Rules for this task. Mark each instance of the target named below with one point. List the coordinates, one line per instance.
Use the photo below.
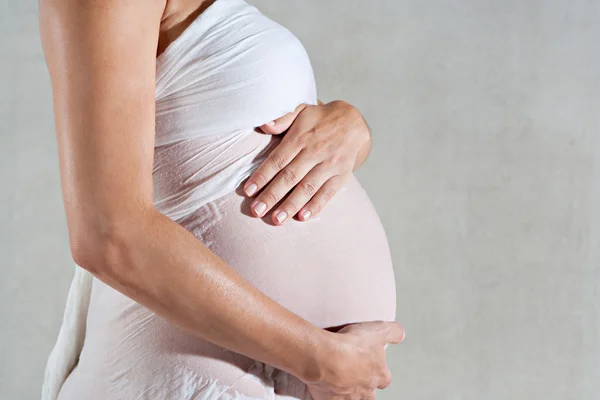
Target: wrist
(314, 360)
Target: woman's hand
(322, 146)
(356, 363)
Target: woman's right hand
(354, 365)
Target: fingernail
(281, 216)
(251, 189)
(305, 215)
(271, 123)
(259, 208)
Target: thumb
(394, 333)
(282, 124)
(387, 332)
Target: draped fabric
(231, 70)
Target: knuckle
(308, 188)
(278, 161)
(386, 379)
(327, 194)
(312, 131)
(371, 387)
(388, 376)
(289, 176)
(321, 149)
(338, 161)
(331, 164)
(290, 206)
(259, 178)
(270, 197)
(301, 107)
(315, 209)
(298, 139)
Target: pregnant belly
(332, 270)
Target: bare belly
(332, 270)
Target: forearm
(161, 265)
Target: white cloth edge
(65, 353)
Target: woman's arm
(101, 59)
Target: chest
(232, 68)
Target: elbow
(98, 255)
(102, 252)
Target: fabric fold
(65, 353)
(231, 70)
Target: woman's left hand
(322, 146)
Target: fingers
(312, 189)
(301, 194)
(372, 396)
(324, 194)
(278, 188)
(276, 161)
(388, 332)
(282, 124)
(386, 379)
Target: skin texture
(101, 58)
(322, 145)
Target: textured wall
(485, 171)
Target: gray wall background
(485, 171)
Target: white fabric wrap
(231, 70)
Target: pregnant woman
(214, 261)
